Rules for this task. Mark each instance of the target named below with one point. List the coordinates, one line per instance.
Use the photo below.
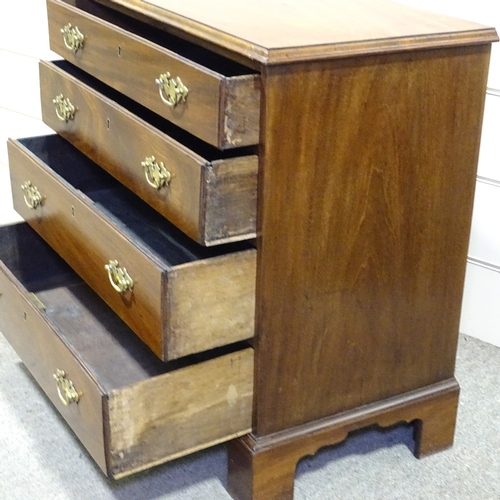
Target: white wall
(481, 304)
(24, 40)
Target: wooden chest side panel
(366, 200)
(180, 412)
(210, 303)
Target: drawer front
(223, 111)
(211, 202)
(33, 337)
(88, 241)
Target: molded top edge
(280, 31)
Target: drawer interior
(106, 346)
(201, 148)
(182, 47)
(22, 252)
(131, 215)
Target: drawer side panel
(200, 406)
(230, 200)
(241, 112)
(222, 310)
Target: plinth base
(263, 468)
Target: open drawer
(177, 296)
(209, 194)
(210, 96)
(130, 410)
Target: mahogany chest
(250, 226)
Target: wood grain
(88, 240)
(230, 199)
(367, 115)
(113, 55)
(222, 310)
(187, 410)
(209, 207)
(240, 97)
(366, 193)
(272, 32)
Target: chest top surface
(277, 31)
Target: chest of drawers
(265, 210)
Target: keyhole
(72, 210)
(119, 51)
(107, 123)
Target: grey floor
(41, 459)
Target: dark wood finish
(264, 467)
(205, 399)
(369, 135)
(186, 298)
(376, 165)
(113, 55)
(211, 197)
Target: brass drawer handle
(156, 174)
(72, 37)
(65, 388)
(172, 90)
(65, 111)
(32, 196)
(118, 277)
